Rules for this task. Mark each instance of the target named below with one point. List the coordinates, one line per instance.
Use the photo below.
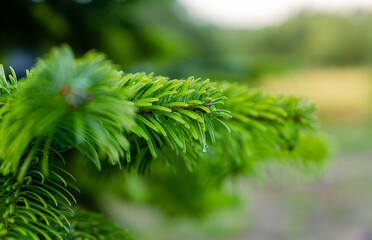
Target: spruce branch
(265, 127)
(97, 227)
(85, 104)
(7, 86)
(130, 119)
(171, 114)
(66, 103)
(37, 207)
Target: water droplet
(205, 148)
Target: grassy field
(343, 95)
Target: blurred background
(318, 49)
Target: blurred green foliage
(158, 36)
(309, 39)
(137, 34)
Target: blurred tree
(138, 34)
(308, 39)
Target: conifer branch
(265, 127)
(129, 119)
(37, 207)
(87, 105)
(98, 227)
(171, 113)
(65, 103)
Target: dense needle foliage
(212, 130)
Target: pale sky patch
(260, 13)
